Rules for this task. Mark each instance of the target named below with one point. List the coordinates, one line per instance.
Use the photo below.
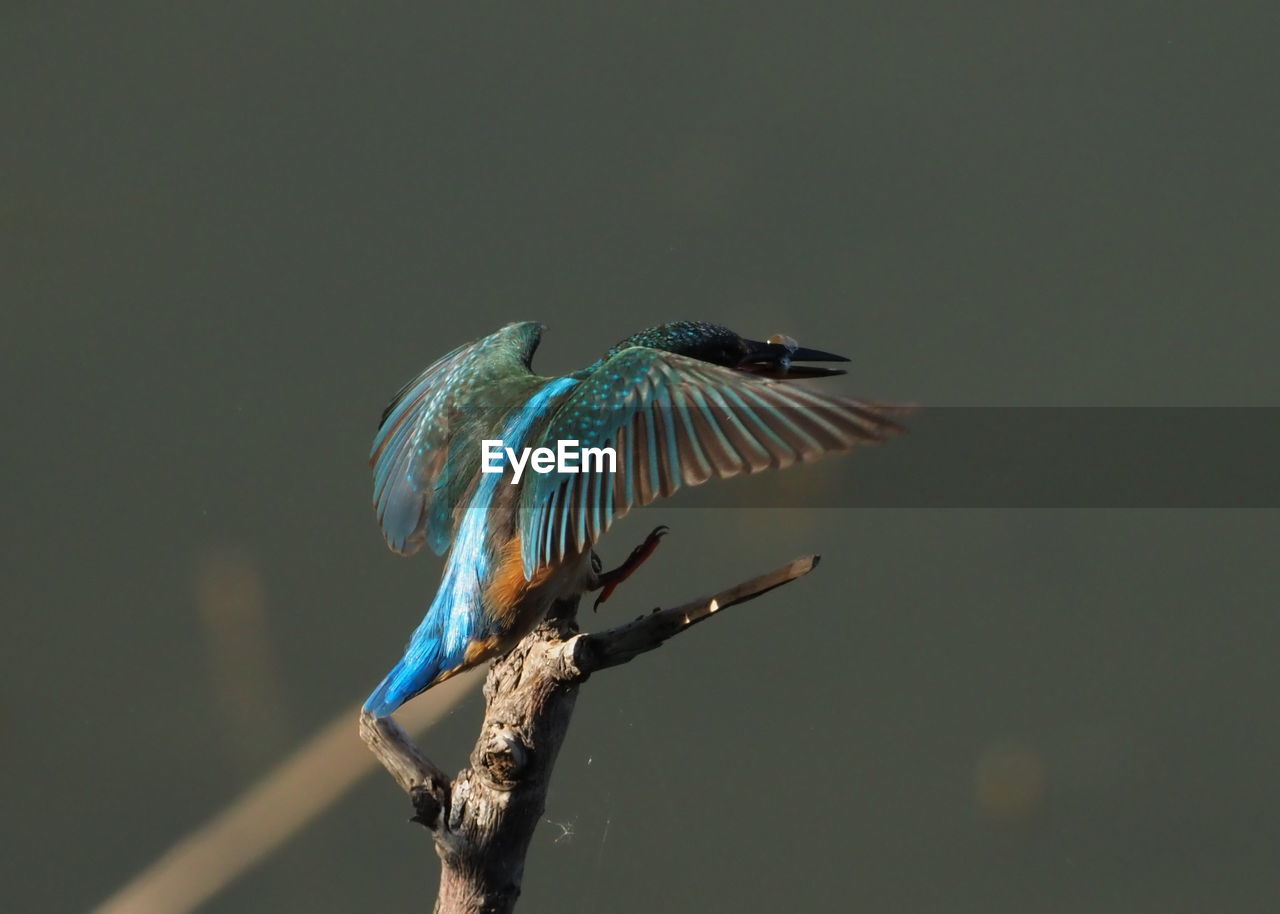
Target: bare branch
(587, 653)
(485, 818)
(414, 772)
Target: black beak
(777, 360)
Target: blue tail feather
(439, 645)
(406, 679)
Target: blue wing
(677, 421)
(423, 457)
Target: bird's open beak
(776, 358)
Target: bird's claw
(609, 580)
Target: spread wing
(423, 456)
(676, 421)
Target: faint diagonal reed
(270, 812)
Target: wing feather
(676, 421)
(422, 456)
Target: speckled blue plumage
(457, 616)
(666, 399)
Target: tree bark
(483, 820)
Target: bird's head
(772, 358)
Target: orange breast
(507, 587)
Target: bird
(679, 404)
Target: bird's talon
(609, 580)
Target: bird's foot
(608, 581)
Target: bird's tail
(440, 645)
(415, 673)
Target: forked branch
(483, 820)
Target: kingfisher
(678, 404)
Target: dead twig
(483, 820)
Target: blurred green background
(228, 232)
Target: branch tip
(623, 643)
(414, 772)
